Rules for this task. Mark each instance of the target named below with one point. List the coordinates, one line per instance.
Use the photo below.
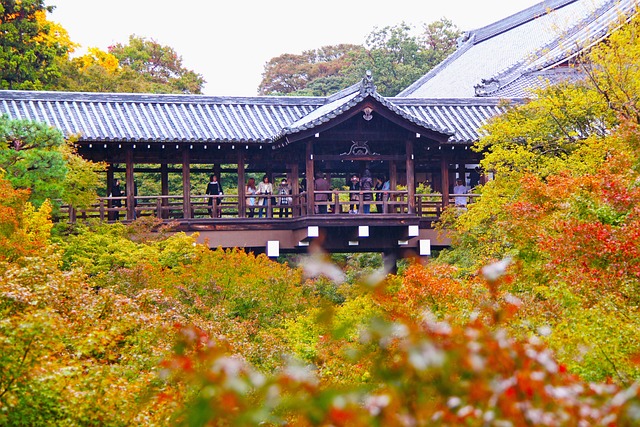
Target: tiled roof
(338, 105)
(158, 118)
(528, 82)
(532, 40)
(465, 116)
(104, 117)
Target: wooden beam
(242, 201)
(372, 158)
(164, 188)
(444, 173)
(310, 177)
(393, 177)
(109, 188)
(411, 177)
(186, 183)
(294, 179)
(130, 185)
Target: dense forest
(530, 319)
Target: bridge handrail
(339, 202)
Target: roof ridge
(512, 73)
(470, 38)
(365, 88)
(532, 12)
(153, 97)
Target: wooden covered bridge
(423, 135)
(409, 141)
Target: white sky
(229, 42)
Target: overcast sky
(229, 42)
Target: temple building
(419, 139)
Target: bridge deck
(392, 225)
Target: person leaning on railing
(460, 201)
(214, 189)
(265, 188)
(321, 184)
(250, 191)
(366, 185)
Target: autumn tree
(563, 206)
(157, 65)
(292, 74)
(396, 56)
(30, 46)
(142, 66)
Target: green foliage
(394, 55)
(36, 157)
(293, 74)
(563, 206)
(397, 58)
(159, 66)
(421, 371)
(28, 55)
(142, 66)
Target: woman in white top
(264, 188)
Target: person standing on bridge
(321, 184)
(265, 189)
(366, 185)
(116, 191)
(285, 199)
(354, 194)
(214, 189)
(378, 188)
(460, 201)
(250, 191)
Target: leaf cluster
(396, 56)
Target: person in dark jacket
(378, 188)
(116, 191)
(285, 200)
(354, 196)
(321, 184)
(214, 189)
(366, 185)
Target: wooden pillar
(109, 189)
(186, 182)
(411, 178)
(310, 173)
(393, 175)
(130, 185)
(164, 189)
(444, 173)
(462, 171)
(242, 201)
(294, 179)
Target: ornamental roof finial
(367, 83)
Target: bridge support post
(411, 178)
(186, 183)
(130, 185)
(444, 173)
(310, 175)
(242, 201)
(390, 262)
(164, 189)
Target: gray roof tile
(534, 39)
(201, 119)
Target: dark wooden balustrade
(226, 207)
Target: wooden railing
(263, 206)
